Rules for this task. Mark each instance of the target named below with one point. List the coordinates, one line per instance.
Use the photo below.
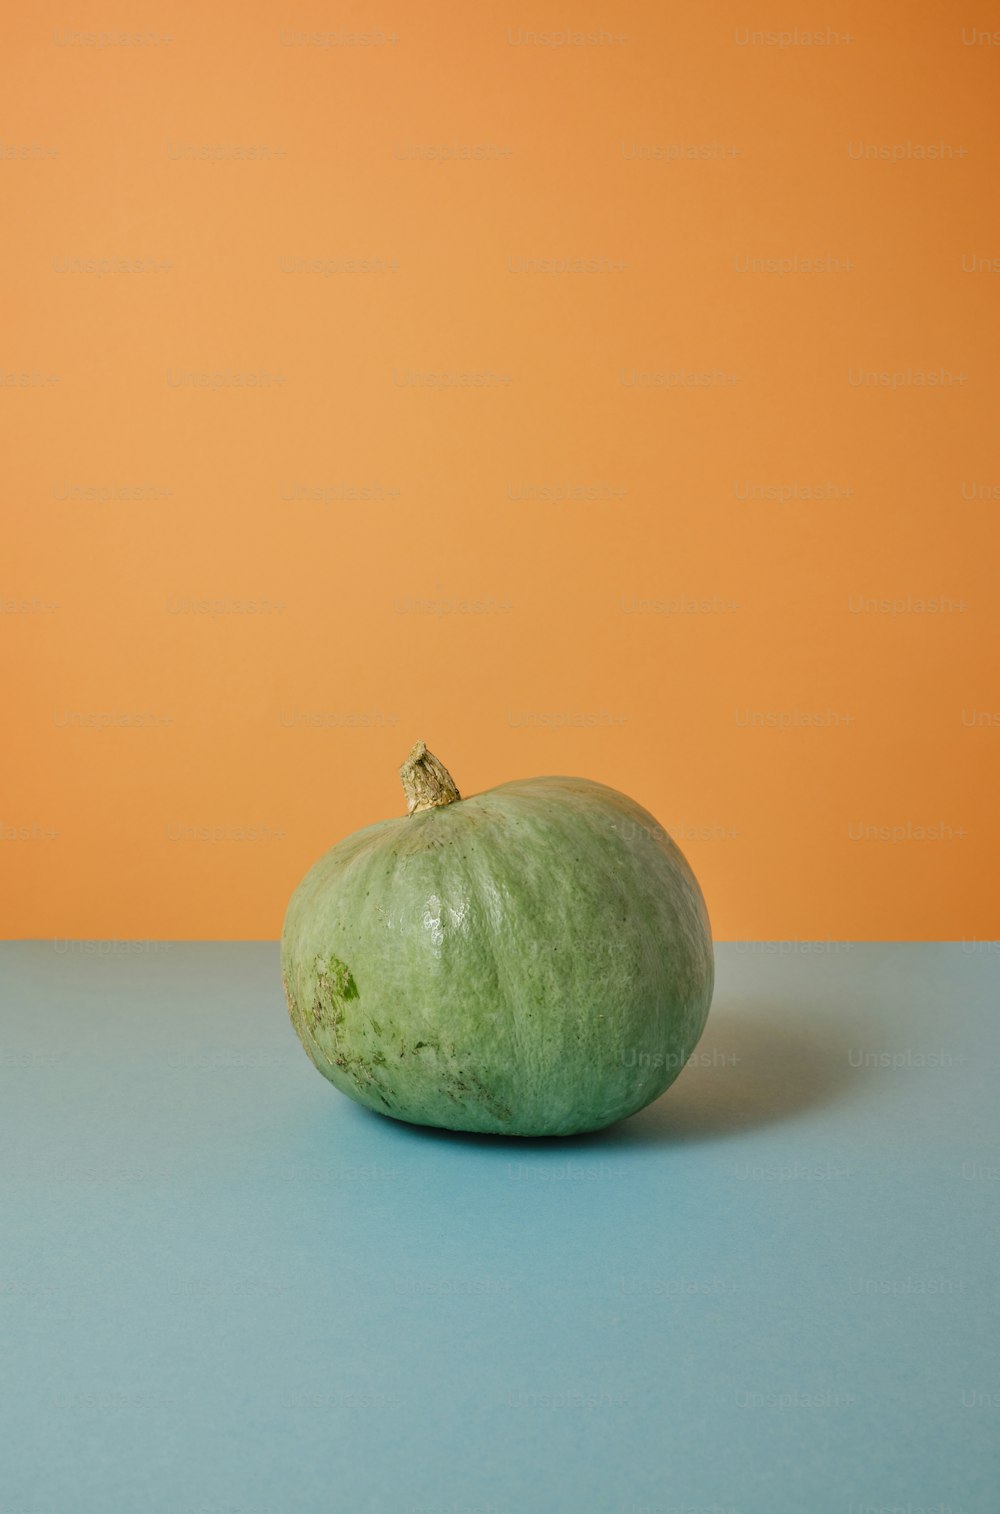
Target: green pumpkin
(535, 960)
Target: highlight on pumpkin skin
(427, 783)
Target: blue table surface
(227, 1289)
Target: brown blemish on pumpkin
(457, 1088)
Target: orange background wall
(767, 608)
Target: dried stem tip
(427, 783)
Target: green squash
(533, 961)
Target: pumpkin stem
(427, 783)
